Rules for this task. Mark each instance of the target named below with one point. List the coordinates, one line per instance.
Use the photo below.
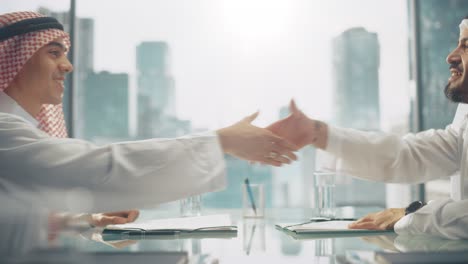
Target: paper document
(207, 222)
(319, 226)
(325, 229)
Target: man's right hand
(383, 220)
(300, 130)
(249, 142)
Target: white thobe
(76, 175)
(415, 158)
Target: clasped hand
(275, 144)
(252, 143)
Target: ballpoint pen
(249, 191)
(325, 219)
(249, 245)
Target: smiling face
(41, 79)
(457, 86)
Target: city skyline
(235, 64)
(231, 58)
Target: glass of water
(191, 206)
(325, 193)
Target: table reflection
(23, 226)
(253, 235)
(25, 230)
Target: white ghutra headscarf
(464, 24)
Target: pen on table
(249, 191)
(326, 219)
(249, 245)
(321, 219)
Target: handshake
(274, 145)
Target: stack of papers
(185, 227)
(332, 228)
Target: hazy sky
(232, 57)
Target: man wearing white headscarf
(37, 158)
(414, 158)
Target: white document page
(213, 222)
(326, 225)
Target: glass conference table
(267, 244)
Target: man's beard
(454, 94)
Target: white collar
(8, 105)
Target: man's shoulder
(10, 121)
(13, 127)
(6, 118)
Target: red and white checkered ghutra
(16, 51)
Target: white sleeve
(444, 218)
(385, 157)
(115, 176)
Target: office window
(168, 68)
(438, 35)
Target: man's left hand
(114, 218)
(384, 220)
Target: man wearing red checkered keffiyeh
(17, 50)
(66, 172)
(17, 53)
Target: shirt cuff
(335, 139)
(209, 156)
(402, 227)
(419, 222)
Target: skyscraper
(155, 87)
(84, 67)
(356, 79)
(356, 61)
(106, 112)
